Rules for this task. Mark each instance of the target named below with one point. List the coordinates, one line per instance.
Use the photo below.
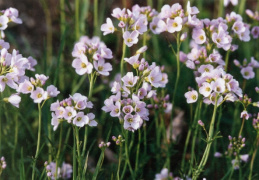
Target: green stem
(138, 148)
(122, 59)
(77, 19)
(78, 150)
(15, 141)
(226, 60)
(99, 165)
(38, 143)
(144, 44)
(242, 126)
(96, 30)
(209, 142)
(119, 165)
(253, 157)
(59, 148)
(74, 156)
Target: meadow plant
(197, 60)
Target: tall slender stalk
(38, 143)
(119, 165)
(15, 141)
(96, 29)
(253, 157)
(209, 142)
(138, 148)
(77, 4)
(76, 131)
(122, 59)
(59, 148)
(242, 126)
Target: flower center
(83, 65)
(100, 68)
(39, 95)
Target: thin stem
(96, 17)
(99, 165)
(77, 19)
(119, 165)
(209, 142)
(59, 148)
(122, 58)
(253, 157)
(74, 156)
(144, 44)
(226, 61)
(38, 143)
(15, 141)
(242, 126)
(78, 150)
(138, 148)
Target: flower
(130, 38)
(108, 27)
(191, 96)
(39, 95)
(14, 99)
(164, 174)
(82, 65)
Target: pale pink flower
(3, 22)
(255, 32)
(39, 95)
(245, 115)
(191, 96)
(108, 27)
(129, 79)
(199, 36)
(91, 122)
(13, 14)
(155, 77)
(174, 25)
(130, 38)
(82, 65)
(102, 67)
(54, 121)
(80, 119)
(25, 87)
(248, 72)
(70, 112)
(52, 91)
(14, 99)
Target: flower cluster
(132, 22)
(247, 69)
(6, 16)
(118, 140)
(34, 88)
(235, 145)
(215, 83)
(104, 145)
(12, 72)
(128, 102)
(71, 111)
(172, 19)
(2, 164)
(91, 54)
(63, 172)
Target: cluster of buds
(256, 123)
(90, 54)
(64, 172)
(235, 145)
(71, 110)
(247, 69)
(118, 140)
(245, 100)
(161, 103)
(104, 145)
(2, 164)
